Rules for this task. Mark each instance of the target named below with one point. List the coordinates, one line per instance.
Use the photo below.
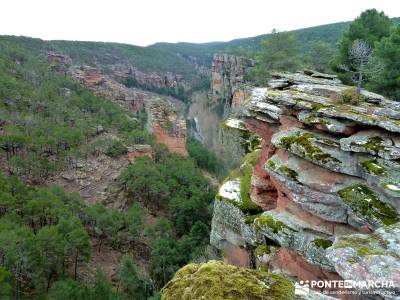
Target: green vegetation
(309, 150)
(387, 52)
(350, 96)
(176, 185)
(43, 130)
(244, 173)
(371, 26)
(364, 202)
(177, 91)
(288, 172)
(364, 245)
(45, 233)
(47, 237)
(322, 243)
(220, 281)
(268, 221)
(263, 249)
(204, 158)
(374, 143)
(318, 56)
(380, 66)
(278, 53)
(373, 167)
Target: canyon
(165, 116)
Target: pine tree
(387, 51)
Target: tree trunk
(76, 263)
(360, 79)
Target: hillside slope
(203, 52)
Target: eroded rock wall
(168, 126)
(326, 183)
(228, 79)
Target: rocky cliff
(319, 197)
(166, 120)
(228, 79)
(168, 126)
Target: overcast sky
(149, 21)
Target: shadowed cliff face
(326, 183)
(228, 79)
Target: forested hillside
(93, 207)
(55, 244)
(144, 58)
(329, 33)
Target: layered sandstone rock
(107, 87)
(168, 126)
(228, 78)
(326, 183)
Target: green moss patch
(322, 243)
(288, 172)
(363, 244)
(268, 221)
(372, 167)
(244, 173)
(262, 249)
(363, 201)
(216, 280)
(375, 144)
(303, 141)
(317, 106)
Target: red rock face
(92, 77)
(263, 192)
(169, 129)
(292, 264)
(176, 144)
(234, 255)
(238, 97)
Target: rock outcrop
(168, 126)
(58, 62)
(228, 79)
(324, 188)
(215, 280)
(108, 87)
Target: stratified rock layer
(228, 78)
(327, 174)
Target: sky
(148, 21)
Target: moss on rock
(302, 140)
(363, 244)
(363, 201)
(372, 167)
(243, 174)
(323, 243)
(216, 280)
(288, 172)
(268, 221)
